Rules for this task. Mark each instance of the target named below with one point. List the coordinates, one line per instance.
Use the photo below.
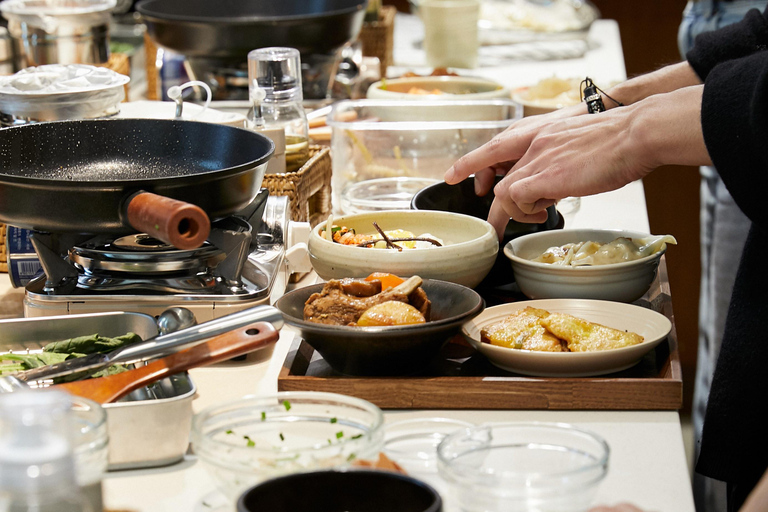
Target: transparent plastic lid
(277, 72)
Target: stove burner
(141, 242)
(237, 267)
(143, 254)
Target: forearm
(665, 129)
(666, 79)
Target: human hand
(585, 154)
(485, 178)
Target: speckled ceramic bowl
(469, 250)
(621, 282)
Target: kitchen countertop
(647, 463)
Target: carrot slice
(387, 280)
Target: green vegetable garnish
(282, 438)
(229, 432)
(351, 457)
(333, 420)
(358, 436)
(263, 416)
(287, 405)
(251, 443)
(339, 434)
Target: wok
(232, 28)
(120, 176)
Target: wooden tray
(463, 379)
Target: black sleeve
(734, 117)
(741, 39)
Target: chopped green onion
(351, 457)
(282, 437)
(358, 436)
(334, 420)
(251, 443)
(287, 405)
(263, 416)
(229, 432)
(339, 434)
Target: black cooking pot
(461, 198)
(119, 176)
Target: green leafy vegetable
(91, 344)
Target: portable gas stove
(239, 266)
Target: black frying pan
(120, 176)
(232, 28)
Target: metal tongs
(157, 346)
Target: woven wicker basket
(119, 63)
(378, 37)
(308, 189)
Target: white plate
(652, 326)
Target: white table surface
(647, 462)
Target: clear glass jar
(275, 91)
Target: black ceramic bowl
(332, 491)
(397, 350)
(461, 198)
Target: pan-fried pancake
(584, 336)
(522, 330)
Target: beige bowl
(463, 88)
(466, 258)
(621, 282)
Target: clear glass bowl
(523, 467)
(379, 139)
(255, 438)
(413, 445)
(382, 194)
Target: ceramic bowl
(652, 326)
(396, 350)
(462, 88)
(469, 250)
(331, 491)
(461, 198)
(622, 282)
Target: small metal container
(148, 428)
(51, 32)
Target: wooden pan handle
(219, 348)
(175, 222)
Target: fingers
(484, 181)
(504, 147)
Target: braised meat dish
(343, 301)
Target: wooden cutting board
(461, 378)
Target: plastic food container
(252, 439)
(402, 141)
(517, 467)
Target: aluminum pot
(51, 32)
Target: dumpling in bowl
(593, 253)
